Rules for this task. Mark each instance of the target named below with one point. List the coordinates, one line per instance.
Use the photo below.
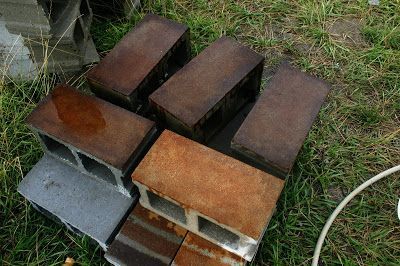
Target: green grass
(355, 137)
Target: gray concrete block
(91, 55)
(82, 203)
(15, 61)
(26, 17)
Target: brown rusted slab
(94, 126)
(218, 81)
(198, 251)
(146, 239)
(153, 49)
(277, 126)
(217, 186)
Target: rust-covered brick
(152, 51)
(95, 136)
(198, 251)
(201, 97)
(275, 129)
(146, 239)
(215, 196)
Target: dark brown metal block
(198, 251)
(208, 91)
(277, 126)
(95, 136)
(146, 239)
(151, 52)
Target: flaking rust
(198, 251)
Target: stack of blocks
(56, 32)
(206, 184)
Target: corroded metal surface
(277, 126)
(199, 178)
(97, 127)
(137, 54)
(146, 239)
(198, 251)
(196, 88)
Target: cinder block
(92, 135)
(81, 203)
(15, 58)
(141, 61)
(26, 17)
(277, 126)
(69, 25)
(67, 45)
(206, 93)
(145, 239)
(70, 33)
(212, 195)
(198, 251)
(62, 58)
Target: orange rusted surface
(155, 220)
(277, 126)
(137, 54)
(198, 251)
(196, 88)
(97, 127)
(218, 186)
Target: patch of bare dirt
(346, 31)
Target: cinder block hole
(58, 149)
(213, 122)
(218, 233)
(79, 36)
(54, 9)
(85, 11)
(165, 206)
(97, 169)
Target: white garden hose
(339, 208)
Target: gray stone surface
(14, 55)
(77, 200)
(54, 35)
(26, 17)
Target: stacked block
(92, 135)
(198, 251)
(154, 50)
(70, 45)
(56, 32)
(91, 149)
(146, 239)
(15, 58)
(26, 17)
(277, 126)
(206, 93)
(212, 195)
(83, 204)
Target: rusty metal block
(212, 195)
(92, 135)
(198, 251)
(145, 239)
(277, 126)
(150, 53)
(207, 92)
